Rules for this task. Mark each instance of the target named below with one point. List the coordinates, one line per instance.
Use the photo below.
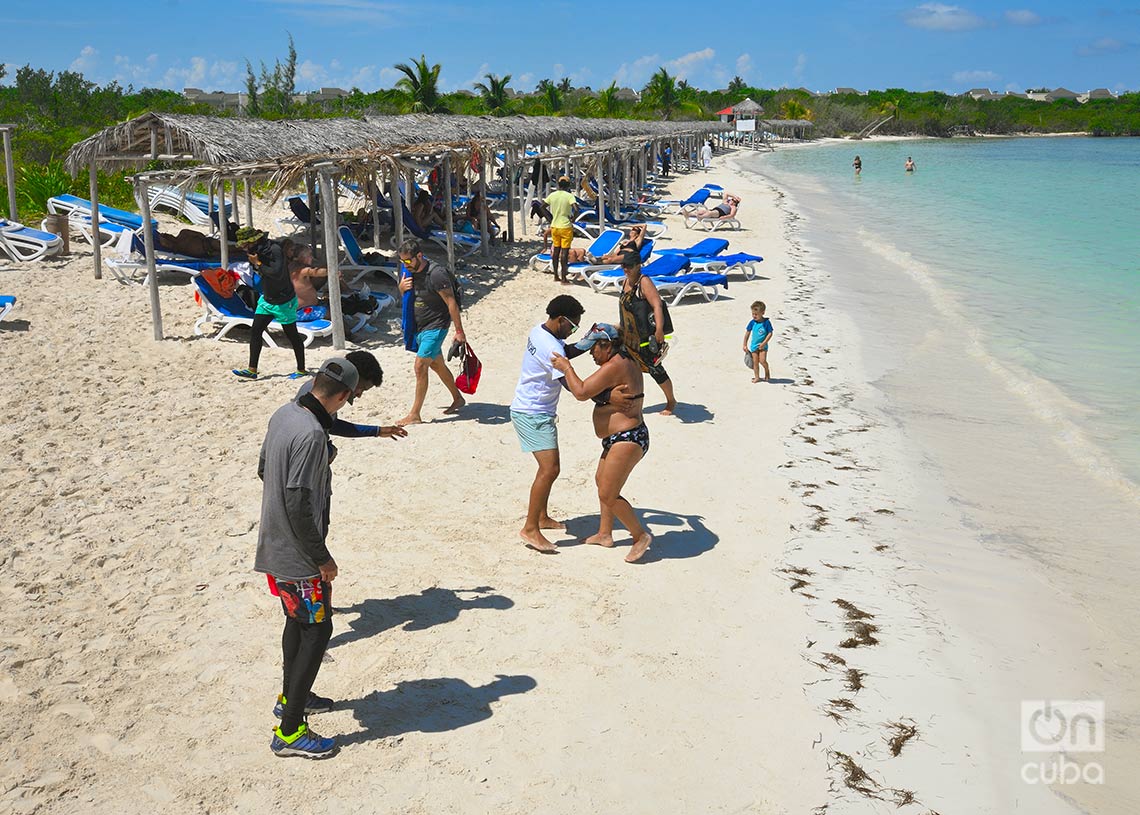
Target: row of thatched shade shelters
(288, 152)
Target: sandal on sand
(245, 373)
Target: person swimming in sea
(909, 164)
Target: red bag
(468, 381)
(222, 281)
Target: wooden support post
(509, 171)
(96, 245)
(524, 193)
(311, 203)
(484, 227)
(332, 259)
(223, 232)
(601, 193)
(143, 195)
(374, 194)
(397, 206)
(10, 174)
(248, 189)
(448, 215)
(210, 209)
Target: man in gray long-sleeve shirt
(291, 550)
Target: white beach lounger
(25, 244)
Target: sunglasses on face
(573, 326)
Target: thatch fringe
(240, 141)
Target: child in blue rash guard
(756, 337)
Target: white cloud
(685, 65)
(637, 73)
(974, 76)
(311, 75)
(86, 60)
(1105, 45)
(129, 72)
(744, 65)
(217, 75)
(524, 81)
(1022, 17)
(559, 70)
(940, 17)
(801, 63)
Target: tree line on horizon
(52, 111)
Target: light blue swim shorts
(536, 431)
(431, 342)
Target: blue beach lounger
(7, 303)
(230, 312)
(357, 266)
(25, 244)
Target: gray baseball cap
(341, 370)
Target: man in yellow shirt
(562, 204)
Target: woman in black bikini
(625, 438)
(648, 349)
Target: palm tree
(663, 95)
(564, 85)
(736, 85)
(494, 94)
(421, 83)
(606, 104)
(795, 109)
(550, 96)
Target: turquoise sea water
(1034, 243)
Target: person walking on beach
(644, 343)
(436, 308)
(909, 166)
(858, 165)
(757, 334)
(625, 438)
(292, 551)
(666, 160)
(561, 203)
(706, 155)
(278, 300)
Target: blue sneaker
(245, 373)
(316, 704)
(299, 374)
(304, 743)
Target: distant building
(216, 99)
(1096, 93)
(627, 95)
(1060, 93)
(848, 90)
(746, 109)
(327, 95)
(978, 93)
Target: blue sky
(820, 45)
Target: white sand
(474, 674)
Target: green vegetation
(52, 111)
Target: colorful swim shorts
(307, 601)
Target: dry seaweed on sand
(853, 612)
(863, 633)
(903, 731)
(854, 776)
(854, 679)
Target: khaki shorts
(562, 236)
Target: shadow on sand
(415, 612)
(686, 537)
(686, 412)
(429, 706)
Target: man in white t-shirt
(534, 409)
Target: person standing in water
(909, 164)
(858, 165)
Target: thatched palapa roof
(229, 141)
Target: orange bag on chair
(222, 281)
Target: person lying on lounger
(725, 210)
(632, 242)
(195, 244)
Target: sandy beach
(775, 652)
